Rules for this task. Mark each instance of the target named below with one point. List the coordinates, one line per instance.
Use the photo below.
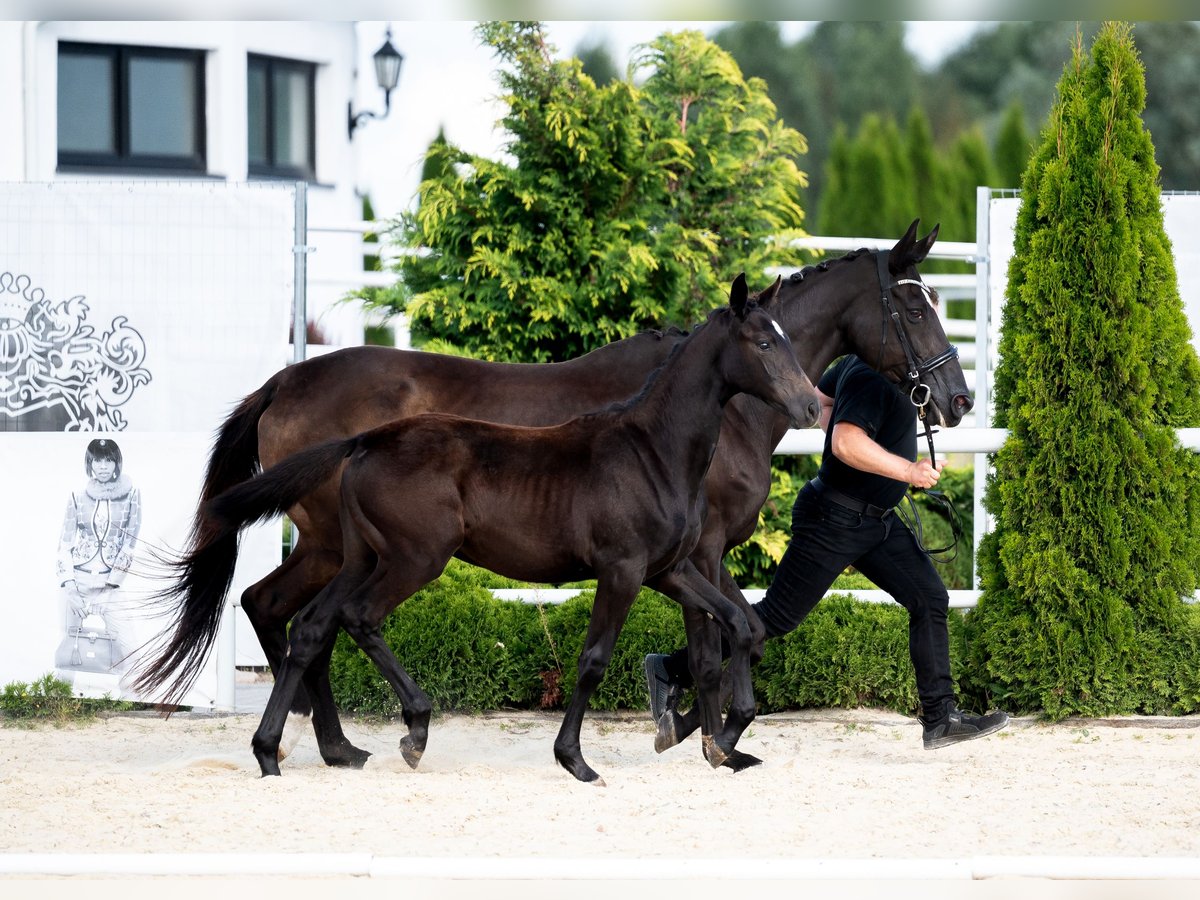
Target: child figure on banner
(95, 553)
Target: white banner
(138, 312)
(1181, 220)
(74, 550)
(146, 307)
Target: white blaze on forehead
(779, 330)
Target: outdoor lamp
(387, 73)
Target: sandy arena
(834, 785)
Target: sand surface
(834, 784)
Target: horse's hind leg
(269, 605)
(312, 630)
(415, 704)
(398, 575)
(335, 749)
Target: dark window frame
(123, 158)
(273, 168)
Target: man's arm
(853, 446)
(826, 409)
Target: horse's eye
(764, 345)
(916, 314)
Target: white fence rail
(975, 339)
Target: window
(280, 117)
(130, 107)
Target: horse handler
(842, 517)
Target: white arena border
(454, 868)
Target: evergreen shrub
(470, 651)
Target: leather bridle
(919, 392)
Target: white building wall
(28, 92)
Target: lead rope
(937, 554)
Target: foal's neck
(681, 405)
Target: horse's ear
(901, 256)
(923, 246)
(771, 294)
(739, 295)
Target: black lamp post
(387, 73)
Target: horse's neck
(818, 314)
(645, 352)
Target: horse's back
(353, 390)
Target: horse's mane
(618, 406)
(825, 264)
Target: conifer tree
(1013, 146)
(875, 192)
(929, 179)
(621, 207)
(1097, 507)
(971, 167)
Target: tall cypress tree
(872, 189)
(1096, 505)
(1012, 146)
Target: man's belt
(851, 503)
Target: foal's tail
(205, 571)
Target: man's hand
(922, 474)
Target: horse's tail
(205, 571)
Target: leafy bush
(470, 651)
(622, 207)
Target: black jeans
(826, 538)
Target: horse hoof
(268, 761)
(712, 752)
(667, 735)
(349, 757)
(738, 761)
(412, 754)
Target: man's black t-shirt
(863, 397)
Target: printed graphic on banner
(96, 518)
(140, 306)
(133, 317)
(56, 372)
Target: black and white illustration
(57, 372)
(96, 549)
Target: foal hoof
(738, 760)
(712, 752)
(268, 763)
(412, 754)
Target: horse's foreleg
(615, 593)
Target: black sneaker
(664, 693)
(958, 726)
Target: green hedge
(471, 652)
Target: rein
(919, 395)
